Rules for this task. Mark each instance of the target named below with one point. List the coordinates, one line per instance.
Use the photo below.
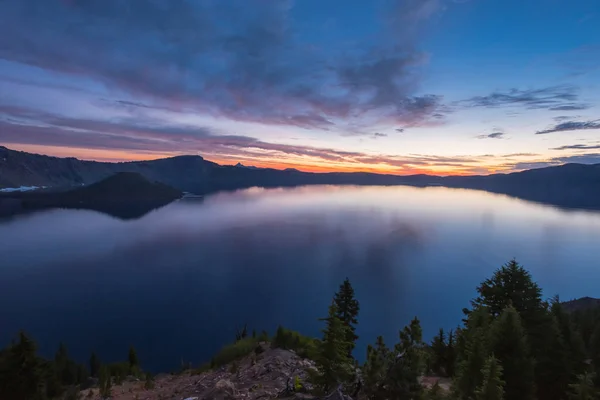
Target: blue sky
(398, 86)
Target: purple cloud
(553, 98)
(249, 66)
(571, 126)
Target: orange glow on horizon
(110, 155)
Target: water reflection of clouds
(276, 256)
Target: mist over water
(176, 282)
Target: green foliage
(595, 347)
(492, 385)
(583, 388)
(297, 384)
(233, 352)
(439, 353)
(333, 363)
(347, 311)
(450, 365)
(469, 374)
(304, 346)
(509, 345)
(149, 382)
(375, 369)
(133, 358)
(553, 366)
(435, 393)
(21, 376)
(105, 382)
(402, 381)
(511, 285)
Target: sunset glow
(399, 87)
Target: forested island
(511, 344)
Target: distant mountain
(125, 194)
(240, 165)
(570, 185)
(584, 303)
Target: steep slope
(125, 195)
(185, 173)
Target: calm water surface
(177, 282)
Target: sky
(391, 86)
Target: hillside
(581, 304)
(125, 194)
(570, 185)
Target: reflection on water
(176, 282)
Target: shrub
(304, 346)
(233, 352)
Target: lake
(178, 281)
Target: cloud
(31, 127)
(571, 126)
(238, 59)
(494, 135)
(400, 130)
(561, 118)
(578, 147)
(570, 107)
(379, 135)
(562, 97)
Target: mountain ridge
(569, 185)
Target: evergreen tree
(511, 285)
(94, 365)
(572, 339)
(595, 347)
(22, 375)
(376, 368)
(469, 375)
(553, 369)
(509, 345)
(66, 369)
(584, 388)
(439, 350)
(347, 311)
(133, 359)
(402, 381)
(492, 387)
(334, 366)
(450, 355)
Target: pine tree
(584, 388)
(595, 347)
(492, 387)
(402, 380)
(509, 345)
(572, 339)
(94, 365)
(334, 366)
(553, 369)
(439, 351)
(347, 311)
(66, 369)
(22, 376)
(450, 355)
(375, 368)
(469, 374)
(133, 359)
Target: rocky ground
(274, 373)
(257, 376)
